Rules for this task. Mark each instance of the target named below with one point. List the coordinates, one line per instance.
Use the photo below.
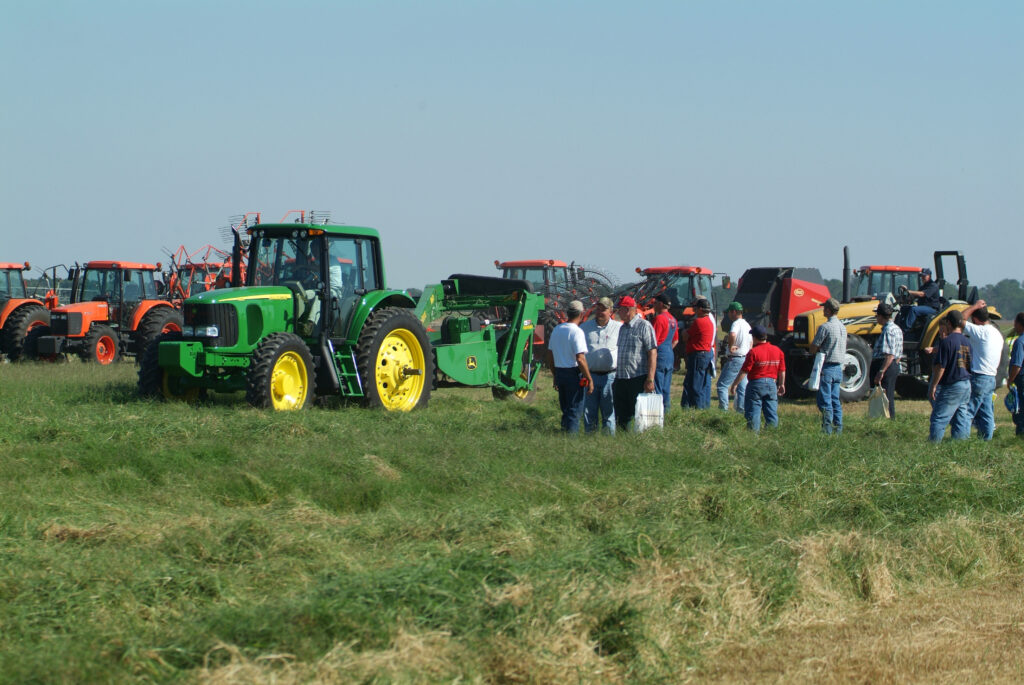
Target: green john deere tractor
(315, 318)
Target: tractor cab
(12, 282)
(682, 285)
(327, 273)
(879, 282)
(542, 274)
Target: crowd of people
(601, 366)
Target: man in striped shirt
(765, 371)
(886, 354)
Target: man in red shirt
(666, 334)
(700, 356)
(765, 369)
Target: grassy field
(473, 542)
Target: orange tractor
(115, 309)
(19, 313)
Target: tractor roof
(108, 264)
(11, 265)
(899, 269)
(527, 263)
(679, 270)
(285, 229)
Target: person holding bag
(636, 363)
(886, 354)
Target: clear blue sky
(724, 134)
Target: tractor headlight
(200, 331)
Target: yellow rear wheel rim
(400, 354)
(172, 390)
(289, 382)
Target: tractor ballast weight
(875, 284)
(315, 318)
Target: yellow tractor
(863, 290)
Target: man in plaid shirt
(637, 361)
(885, 356)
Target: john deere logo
(470, 363)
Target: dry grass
(949, 635)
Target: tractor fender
(372, 301)
(145, 307)
(12, 305)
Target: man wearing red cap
(636, 363)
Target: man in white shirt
(602, 335)
(567, 357)
(986, 353)
(737, 344)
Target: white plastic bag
(878, 403)
(814, 380)
(650, 411)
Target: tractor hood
(242, 295)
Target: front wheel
(394, 360)
(856, 371)
(281, 375)
(156, 322)
(155, 381)
(101, 346)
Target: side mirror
(726, 282)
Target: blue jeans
(1018, 418)
(600, 401)
(980, 406)
(730, 369)
(916, 312)
(663, 384)
(762, 396)
(697, 385)
(570, 398)
(828, 398)
(950, 407)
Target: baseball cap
(885, 309)
(759, 332)
(664, 299)
(926, 272)
(734, 307)
(606, 303)
(626, 301)
(832, 303)
(575, 307)
(701, 303)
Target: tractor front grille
(223, 316)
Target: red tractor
(682, 284)
(115, 309)
(19, 313)
(561, 283)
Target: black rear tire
(19, 325)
